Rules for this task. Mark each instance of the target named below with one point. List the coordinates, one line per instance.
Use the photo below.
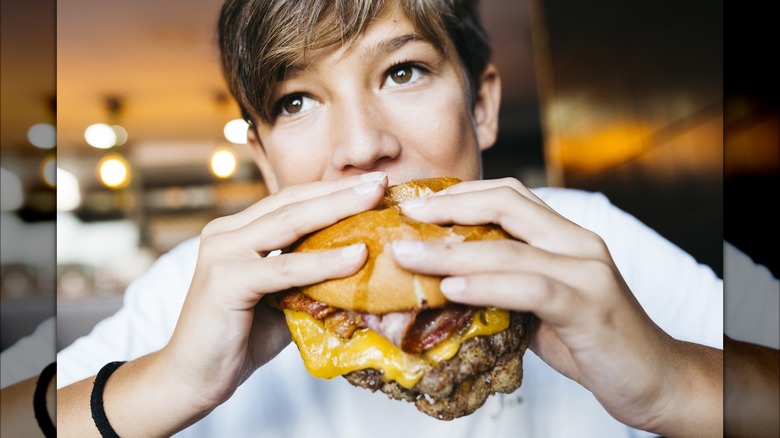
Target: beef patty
(483, 366)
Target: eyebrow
(389, 45)
(373, 51)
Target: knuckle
(601, 276)
(507, 191)
(600, 270)
(213, 227)
(283, 213)
(514, 184)
(285, 195)
(542, 288)
(283, 266)
(286, 215)
(511, 247)
(208, 241)
(504, 209)
(595, 246)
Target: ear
(261, 159)
(486, 107)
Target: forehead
(285, 36)
(389, 32)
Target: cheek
(441, 131)
(294, 158)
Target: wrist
(202, 393)
(147, 388)
(691, 400)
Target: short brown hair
(259, 39)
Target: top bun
(381, 286)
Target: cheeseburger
(388, 329)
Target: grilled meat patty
(483, 366)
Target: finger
(272, 274)
(283, 226)
(518, 215)
(485, 184)
(497, 256)
(289, 195)
(552, 301)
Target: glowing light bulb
(100, 136)
(223, 163)
(235, 131)
(114, 171)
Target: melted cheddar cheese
(327, 355)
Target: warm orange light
(48, 170)
(597, 150)
(752, 148)
(114, 171)
(223, 163)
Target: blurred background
(625, 98)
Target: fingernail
(352, 252)
(409, 249)
(452, 285)
(411, 204)
(373, 176)
(366, 187)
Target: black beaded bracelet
(96, 400)
(39, 401)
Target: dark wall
(752, 129)
(631, 98)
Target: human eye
(292, 104)
(404, 73)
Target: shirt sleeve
(29, 355)
(752, 299)
(144, 324)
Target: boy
(345, 98)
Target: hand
(592, 328)
(224, 332)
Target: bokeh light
(121, 134)
(68, 192)
(100, 136)
(48, 170)
(12, 194)
(235, 131)
(223, 163)
(42, 135)
(114, 171)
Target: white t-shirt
(752, 299)
(282, 400)
(29, 355)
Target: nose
(364, 137)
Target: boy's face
(390, 101)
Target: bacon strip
(297, 301)
(394, 326)
(435, 325)
(413, 331)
